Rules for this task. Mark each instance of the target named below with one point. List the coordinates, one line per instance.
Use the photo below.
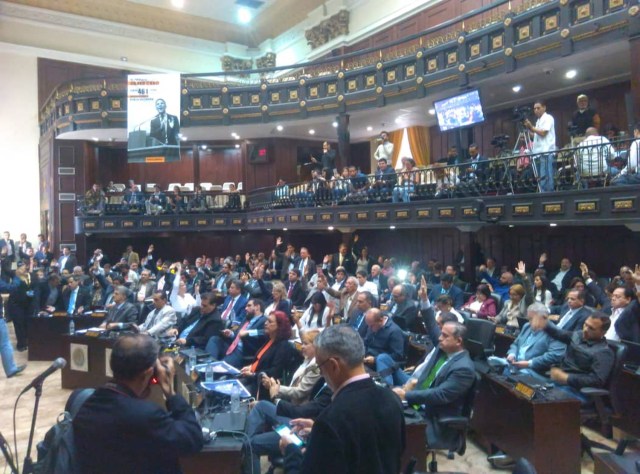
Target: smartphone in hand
(284, 430)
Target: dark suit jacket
(14, 254)
(455, 293)
(571, 274)
(348, 263)
(577, 320)
(173, 129)
(298, 295)
(42, 293)
(382, 283)
(446, 395)
(127, 314)
(308, 270)
(69, 264)
(628, 323)
(207, 325)
(275, 361)
(251, 344)
(405, 315)
(350, 436)
(116, 432)
(83, 299)
(238, 308)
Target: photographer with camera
(119, 430)
(544, 143)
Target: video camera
(520, 114)
(499, 141)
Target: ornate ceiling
(213, 20)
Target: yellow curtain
(395, 137)
(419, 143)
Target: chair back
(620, 355)
(482, 331)
(499, 303)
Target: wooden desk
(609, 463)
(96, 352)
(628, 388)
(46, 334)
(547, 433)
(221, 456)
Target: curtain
(395, 137)
(419, 144)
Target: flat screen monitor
(463, 110)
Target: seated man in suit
(122, 312)
(234, 347)
(361, 420)
(75, 297)
(441, 385)
(533, 349)
(117, 430)
(403, 309)
(364, 302)
(296, 292)
(196, 328)
(446, 287)
(573, 313)
(588, 360)
(160, 320)
(384, 344)
(378, 278)
(49, 294)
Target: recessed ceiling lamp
(279, 128)
(335, 124)
(177, 3)
(517, 88)
(432, 111)
(571, 73)
(244, 15)
(369, 128)
(312, 132)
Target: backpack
(56, 453)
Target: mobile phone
(284, 430)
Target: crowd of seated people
(177, 200)
(249, 310)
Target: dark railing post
(344, 140)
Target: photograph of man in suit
(165, 127)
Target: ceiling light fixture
(312, 131)
(124, 59)
(177, 3)
(237, 145)
(369, 128)
(392, 227)
(335, 124)
(279, 128)
(553, 224)
(244, 15)
(517, 88)
(571, 73)
(330, 227)
(432, 111)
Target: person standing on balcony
(544, 143)
(385, 148)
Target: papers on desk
(219, 367)
(493, 360)
(224, 387)
(91, 332)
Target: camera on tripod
(499, 141)
(520, 114)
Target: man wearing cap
(585, 116)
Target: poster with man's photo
(153, 118)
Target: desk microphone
(59, 363)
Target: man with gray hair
(534, 349)
(122, 312)
(442, 387)
(350, 435)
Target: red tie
(225, 315)
(236, 341)
(289, 293)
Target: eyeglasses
(320, 364)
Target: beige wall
(19, 135)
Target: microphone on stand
(59, 363)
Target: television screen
(459, 111)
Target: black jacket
(208, 325)
(116, 432)
(350, 436)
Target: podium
(143, 148)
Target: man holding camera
(544, 144)
(117, 430)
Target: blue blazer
(542, 353)
(577, 320)
(456, 294)
(239, 313)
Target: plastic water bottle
(209, 373)
(235, 399)
(72, 327)
(192, 359)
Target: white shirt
(611, 334)
(384, 150)
(548, 142)
(594, 153)
(632, 160)
(558, 279)
(369, 286)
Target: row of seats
(186, 187)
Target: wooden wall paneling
(218, 166)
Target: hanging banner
(153, 118)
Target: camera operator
(544, 143)
(119, 430)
